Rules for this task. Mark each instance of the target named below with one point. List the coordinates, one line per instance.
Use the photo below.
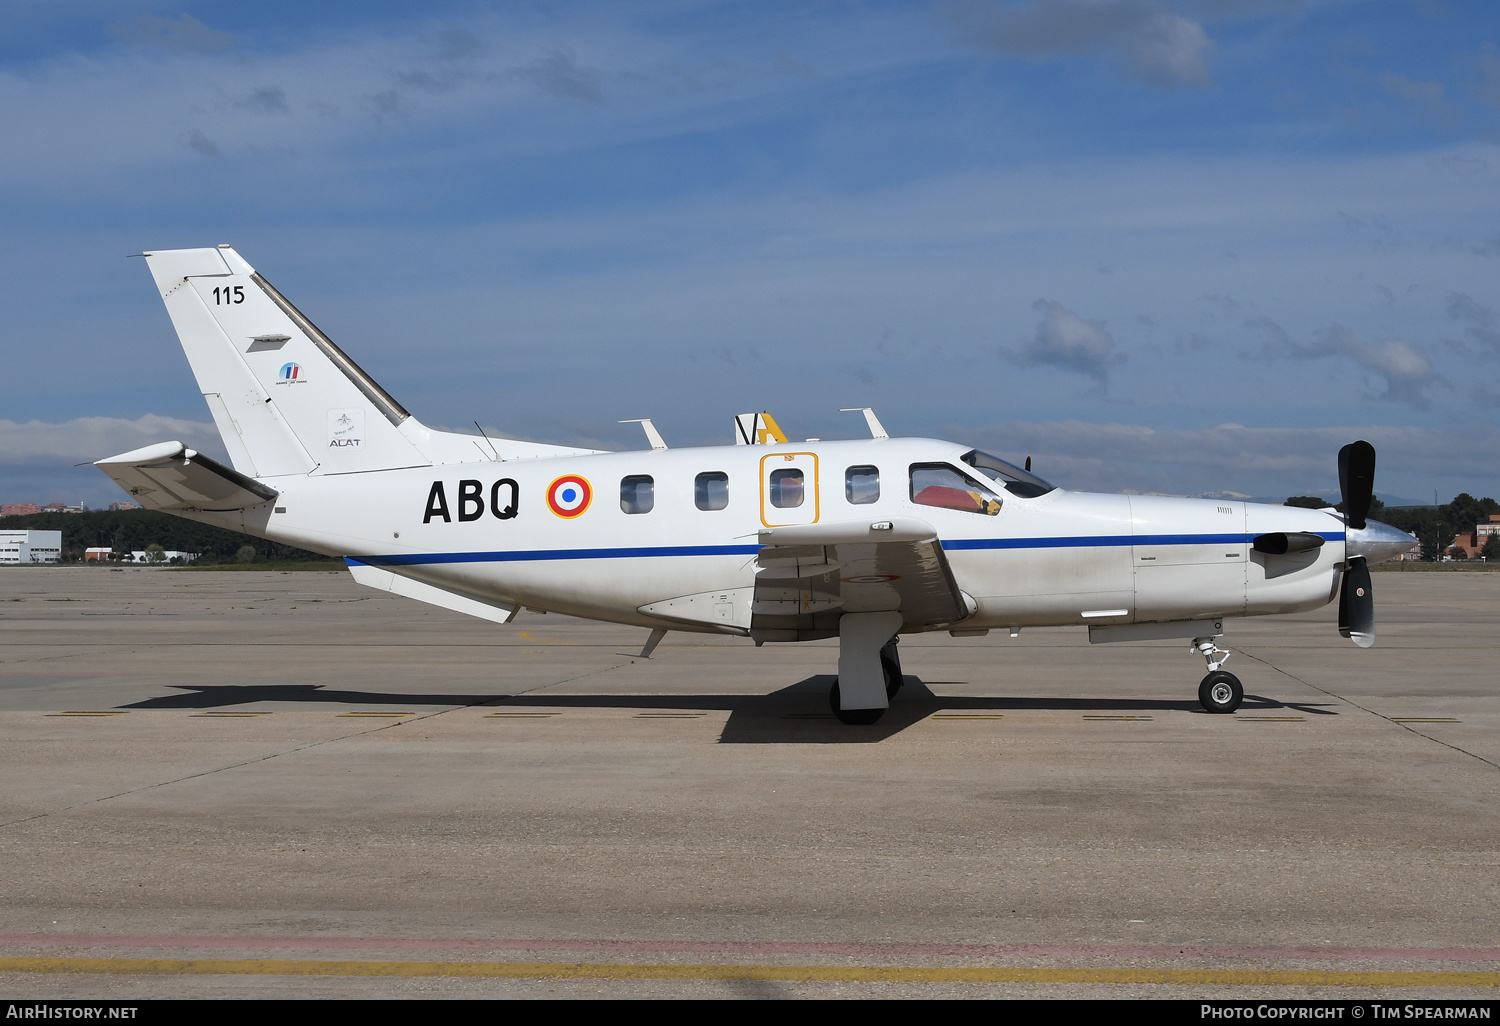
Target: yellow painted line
(1424, 719)
(80, 713)
(967, 716)
(540, 641)
(1117, 717)
(519, 716)
(651, 971)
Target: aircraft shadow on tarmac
(797, 714)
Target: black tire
(1221, 692)
(853, 717)
(890, 662)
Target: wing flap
(169, 476)
(807, 576)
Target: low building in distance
(1469, 544)
(30, 546)
(166, 556)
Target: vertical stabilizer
(285, 399)
(756, 429)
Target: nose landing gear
(1220, 691)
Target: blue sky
(1159, 245)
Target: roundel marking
(569, 496)
(871, 578)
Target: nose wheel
(1221, 692)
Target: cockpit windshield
(1015, 480)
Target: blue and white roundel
(569, 496)
(290, 372)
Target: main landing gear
(890, 678)
(1220, 691)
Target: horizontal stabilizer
(170, 476)
(383, 580)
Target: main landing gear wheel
(853, 717)
(1221, 692)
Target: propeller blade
(1357, 604)
(1357, 481)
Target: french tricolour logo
(569, 496)
(291, 372)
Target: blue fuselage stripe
(950, 545)
(521, 555)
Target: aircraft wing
(807, 576)
(170, 476)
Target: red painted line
(751, 947)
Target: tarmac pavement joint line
(1405, 723)
(653, 971)
(221, 769)
(415, 717)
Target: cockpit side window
(940, 485)
(1011, 477)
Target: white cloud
(1480, 321)
(558, 74)
(1064, 339)
(1407, 371)
(1266, 462)
(1154, 43)
(1411, 89)
(182, 34)
(36, 443)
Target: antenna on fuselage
(652, 435)
(876, 429)
(487, 439)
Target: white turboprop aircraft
(774, 541)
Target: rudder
(285, 399)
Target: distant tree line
(136, 530)
(1434, 526)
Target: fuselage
(606, 535)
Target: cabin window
(637, 493)
(938, 484)
(786, 488)
(862, 485)
(711, 490)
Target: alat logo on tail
(346, 428)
